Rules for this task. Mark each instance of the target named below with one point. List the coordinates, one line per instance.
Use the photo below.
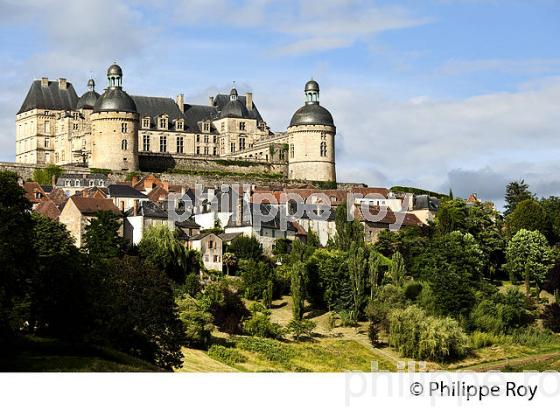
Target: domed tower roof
(312, 85)
(234, 109)
(115, 98)
(312, 113)
(115, 70)
(89, 98)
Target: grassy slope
(348, 349)
(48, 355)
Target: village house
(79, 211)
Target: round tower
(114, 127)
(311, 140)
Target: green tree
(452, 265)
(451, 216)
(44, 176)
(301, 328)
(197, 322)
(58, 286)
(102, 239)
(136, 311)
(516, 192)
(348, 232)
(245, 247)
(297, 288)
(529, 215)
(225, 305)
(17, 258)
(397, 269)
(374, 264)
(357, 267)
(551, 207)
(229, 259)
(161, 247)
(529, 257)
(255, 275)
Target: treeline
(107, 294)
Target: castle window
(47, 112)
(47, 127)
(242, 143)
(124, 145)
(180, 125)
(163, 143)
(146, 143)
(215, 151)
(206, 126)
(205, 150)
(232, 147)
(180, 145)
(214, 139)
(146, 123)
(223, 127)
(124, 127)
(76, 126)
(323, 149)
(198, 138)
(75, 115)
(197, 150)
(242, 126)
(206, 139)
(47, 142)
(163, 123)
(292, 153)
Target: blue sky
(431, 93)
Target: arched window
(124, 145)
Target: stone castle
(117, 131)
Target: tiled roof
(90, 206)
(388, 218)
(34, 193)
(48, 209)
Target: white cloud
(531, 66)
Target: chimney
(135, 212)
(211, 101)
(122, 206)
(62, 85)
(239, 211)
(249, 101)
(44, 82)
(180, 100)
(134, 180)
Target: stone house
(210, 246)
(79, 211)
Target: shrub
(551, 317)
(479, 339)
(269, 349)
(386, 298)
(226, 355)
(415, 334)
(260, 325)
(412, 290)
(534, 337)
(373, 333)
(299, 328)
(245, 247)
(502, 313)
(43, 176)
(347, 318)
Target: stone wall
(25, 171)
(158, 162)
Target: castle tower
(114, 127)
(311, 140)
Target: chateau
(118, 131)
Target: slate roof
(153, 107)
(388, 219)
(221, 100)
(49, 98)
(152, 210)
(228, 237)
(124, 191)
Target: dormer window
(180, 125)
(206, 126)
(242, 126)
(146, 123)
(163, 123)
